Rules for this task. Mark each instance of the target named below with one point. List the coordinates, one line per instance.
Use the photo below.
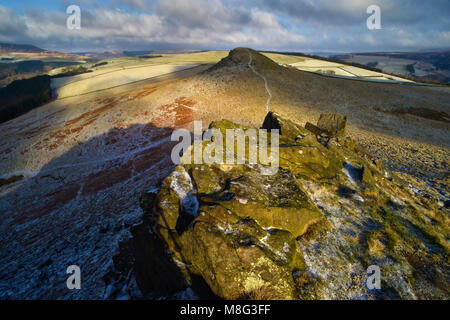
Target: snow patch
(181, 184)
(242, 200)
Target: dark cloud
(353, 12)
(12, 26)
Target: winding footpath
(261, 76)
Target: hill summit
(244, 56)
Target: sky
(280, 25)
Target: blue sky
(286, 25)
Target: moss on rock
(252, 236)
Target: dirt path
(261, 76)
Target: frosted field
(94, 81)
(338, 71)
(314, 63)
(342, 70)
(389, 64)
(125, 70)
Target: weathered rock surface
(333, 123)
(307, 232)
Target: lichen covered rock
(333, 123)
(242, 241)
(308, 231)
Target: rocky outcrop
(309, 231)
(333, 123)
(240, 57)
(235, 227)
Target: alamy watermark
(374, 277)
(211, 147)
(374, 20)
(74, 280)
(73, 21)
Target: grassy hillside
(11, 47)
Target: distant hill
(23, 61)
(10, 47)
(15, 52)
(123, 53)
(113, 54)
(431, 66)
(101, 55)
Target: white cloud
(201, 24)
(204, 24)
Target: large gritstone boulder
(332, 123)
(309, 230)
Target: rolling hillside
(425, 65)
(72, 171)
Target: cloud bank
(287, 25)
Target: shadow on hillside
(74, 210)
(21, 96)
